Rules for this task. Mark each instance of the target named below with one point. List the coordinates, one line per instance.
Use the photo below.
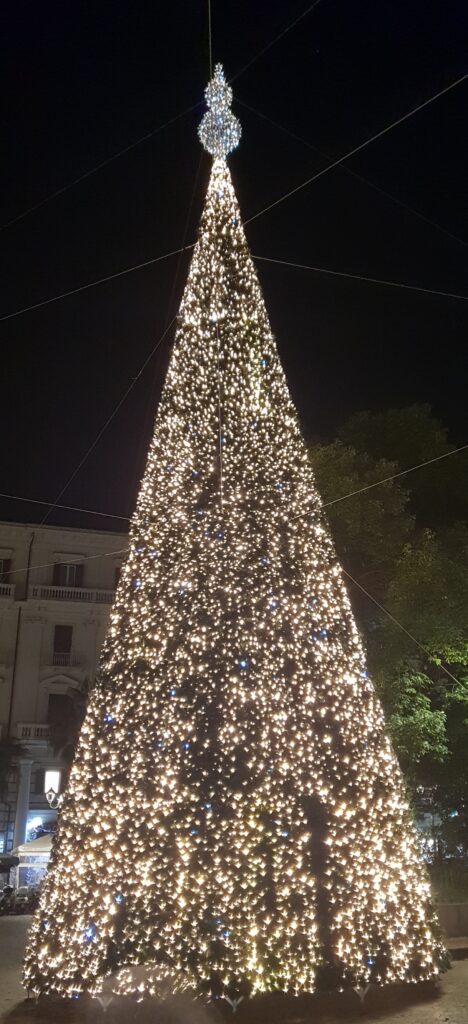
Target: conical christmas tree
(235, 814)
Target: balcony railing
(7, 590)
(62, 658)
(80, 594)
(32, 731)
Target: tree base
(271, 1008)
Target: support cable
(93, 284)
(343, 497)
(220, 422)
(357, 149)
(77, 561)
(108, 421)
(265, 259)
(401, 626)
(275, 40)
(210, 48)
(354, 174)
(97, 167)
(362, 277)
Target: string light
(220, 130)
(235, 819)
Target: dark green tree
(420, 575)
(409, 436)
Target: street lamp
(54, 799)
(51, 788)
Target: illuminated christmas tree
(235, 814)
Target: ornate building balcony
(80, 594)
(32, 731)
(65, 658)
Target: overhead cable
(357, 149)
(97, 167)
(275, 40)
(354, 174)
(400, 626)
(362, 277)
(93, 284)
(333, 501)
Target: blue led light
(264, 560)
(208, 806)
(89, 932)
(185, 745)
(244, 663)
(324, 632)
(195, 472)
(169, 469)
(454, 814)
(173, 692)
(363, 675)
(194, 831)
(226, 933)
(370, 961)
(285, 833)
(118, 898)
(264, 361)
(279, 486)
(138, 584)
(273, 602)
(109, 718)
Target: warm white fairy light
(235, 811)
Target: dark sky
(81, 81)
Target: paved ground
(449, 1007)
(12, 939)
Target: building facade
(56, 589)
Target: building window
(63, 636)
(5, 568)
(68, 574)
(52, 779)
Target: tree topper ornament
(219, 131)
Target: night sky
(82, 81)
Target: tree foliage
(406, 542)
(371, 526)
(409, 437)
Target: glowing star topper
(220, 130)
